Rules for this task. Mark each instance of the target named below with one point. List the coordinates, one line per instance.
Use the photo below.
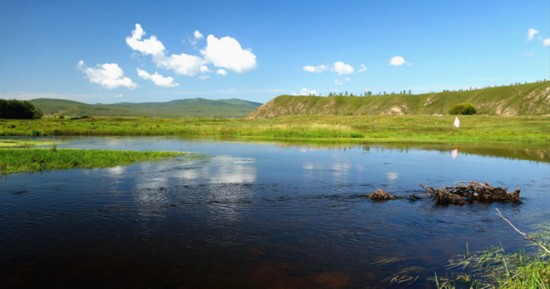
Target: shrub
(465, 108)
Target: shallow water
(255, 216)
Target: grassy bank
(33, 159)
(533, 130)
(417, 128)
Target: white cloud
(305, 91)
(108, 75)
(362, 68)
(546, 42)
(531, 33)
(342, 68)
(157, 79)
(184, 64)
(198, 35)
(150, 46)
(226, 52)
(342, 81)
(316, 69)
(397, 60)
(339, 67)
(221, 72)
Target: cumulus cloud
(397, 60)
(315, 69)
(226, 52)
(546, 42)
(108, 75)
(221, 72)
(531, 33)
(157, 79)
(342, 68)
(362, 68)
(149, 46)
(184, 64)
(339, 67)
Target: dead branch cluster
(471, 193)
(382, 195)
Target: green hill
(177, 108)
(522, 99)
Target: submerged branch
(522, 233)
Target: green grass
(12, 143)
(35, 159)
(414, 128)
(522, 99)
(494, 268)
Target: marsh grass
(12, 143)
(496, 268)
(526, 130)
(36, 159)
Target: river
(256, 215)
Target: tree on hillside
(465, 108)
(16, 109)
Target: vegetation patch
(465, 108)
(35, 159)
(496, 268)
(13, 143)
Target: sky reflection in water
(254, 215)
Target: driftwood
(382, 195)
(522, 233)
(471, 192)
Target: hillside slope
(523, 99)
(177, 108)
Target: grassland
(526, 130)
(35, 159)
(521, 99)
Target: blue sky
(141, 51)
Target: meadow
(527, 130)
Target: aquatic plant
(30, 160)
(496, 268)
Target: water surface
(255, 216)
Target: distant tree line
(370, 93)
(17, 109)
(409, 92)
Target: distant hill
(197, 107)
(522, 99)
